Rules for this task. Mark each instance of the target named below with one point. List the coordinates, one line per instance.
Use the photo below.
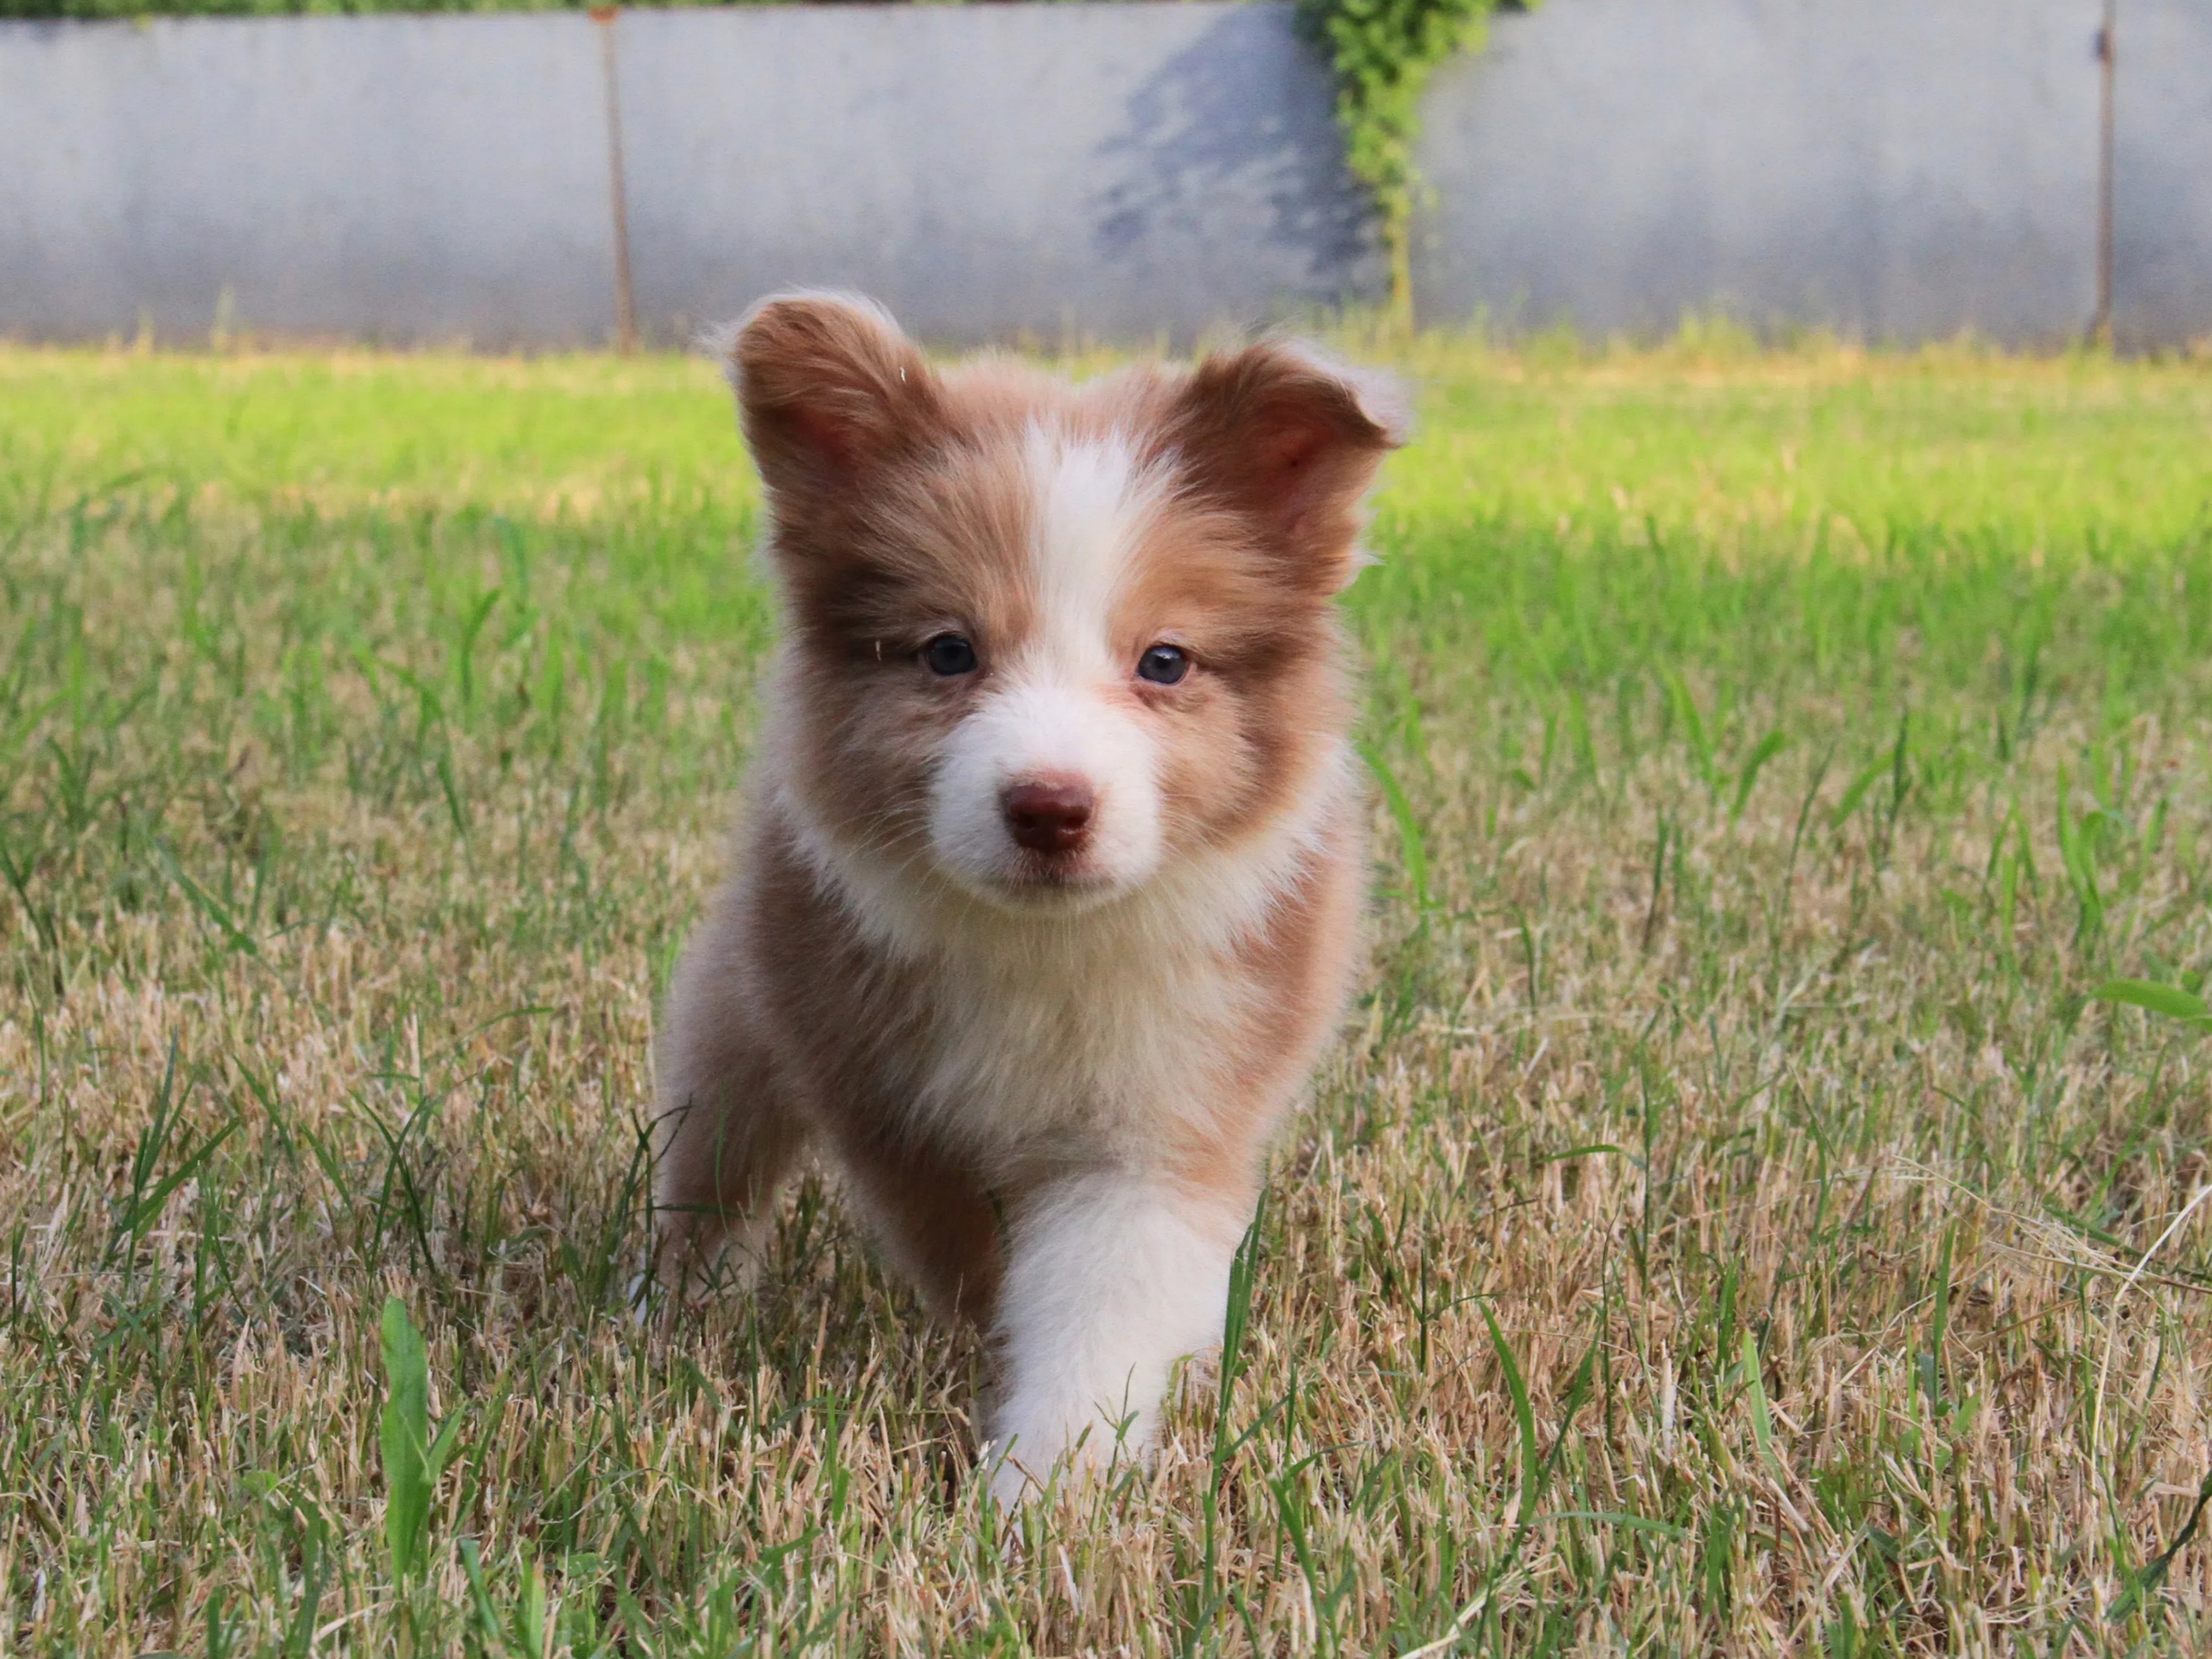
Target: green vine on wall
(1384, 52)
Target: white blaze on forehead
(1057, 708)
(1093, 502)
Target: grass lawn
(1728, 1224)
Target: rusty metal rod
(617, 191)
(2107, 56)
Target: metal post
(2107, 53)
(619, 195)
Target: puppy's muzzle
(1053, 816)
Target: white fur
(1047, 724)
(1092, 503)
(1201, 906)
(1030, 1038)
(1111, 1280)
(1061, 712)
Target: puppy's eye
(949, 655)
(1163, 664)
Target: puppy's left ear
(1290, 441)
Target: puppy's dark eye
(949, 655)
(1163, 664)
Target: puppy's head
(1045, 640)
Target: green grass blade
(406, 1441)
(2170, 1001)
(1412, 844)
(1766, 750)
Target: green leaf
(464, 650)
(441, 1449)
(206, 902)
(1855, 792)
(1236, 1319)
(408, 1476)
(1524, 1415)
(2146, 1582)
(530, 1612)
(1594, 1147)
(142, 1215)
(1762, 1417)
(488, 1624)
(1409, 826)
(1768, 747)
(1694, 726)
(1615, 1518)
(2170, 1001)
(1579, 729)
(1383, 56)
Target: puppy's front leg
(1111, 1277)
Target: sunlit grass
(1709, 437)
(1725, 1226)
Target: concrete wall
(397, 178)
(1895, 169)
(2162, 202)
(1111, 170)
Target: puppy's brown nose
(1050, 817)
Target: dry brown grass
(1721, 1230)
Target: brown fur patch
(964, 1062)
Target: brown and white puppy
(1047, 890)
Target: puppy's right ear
(827, 388)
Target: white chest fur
(1101, 1030)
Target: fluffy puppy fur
(1046, 891)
